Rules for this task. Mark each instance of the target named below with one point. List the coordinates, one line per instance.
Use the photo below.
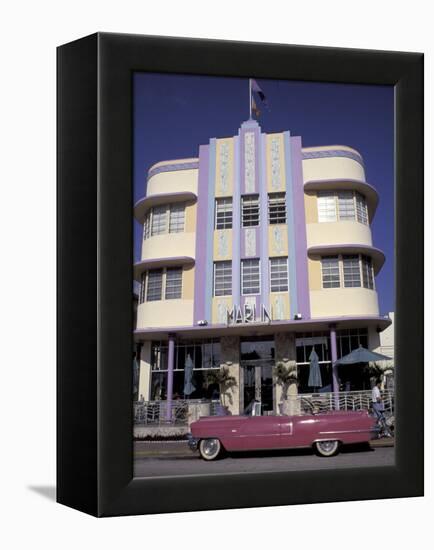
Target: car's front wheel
(210, 449)
(326, 448)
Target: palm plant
(223, 378)
(285, 376)
(377, 370)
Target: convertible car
(325, 432)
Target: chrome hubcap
(210, 447)
(327, 446)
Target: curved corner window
(168, 218)
(161, 283)
(355, 270)
(346, 205)
(330, 272)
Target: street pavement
(174, 458)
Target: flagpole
(250, 99)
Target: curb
(383, 442)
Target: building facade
(254, 254)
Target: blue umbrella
(189, 387)
(361, 355)
(315, 380)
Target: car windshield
(253, 408)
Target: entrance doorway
(257, 361)
(258, 386)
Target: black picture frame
(95, 258)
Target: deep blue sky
(174, 114)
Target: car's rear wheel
(210, 449)
(326, 448)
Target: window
(326, 206)
(351, 206)
(367, 272)
(350, 339)
(346, 205)
(351, 271)
(205, 356)
(250, 210)
(147, 226)
(250, 279)
(276, 208)
(164, 219)
(159, 220)
(142, 288)
(223, 213)
(279, 274)
(155, 285)
(222, 278)
(330, 272)
(173, 283)
(361, 209)
(176, 219)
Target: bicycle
(384, 424)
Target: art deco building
(254, 254)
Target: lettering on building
(248, 314)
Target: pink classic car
(325, 432)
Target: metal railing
(156, 413)
(183, 411)
(348, 401)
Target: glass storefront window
(351, 377)
(205, 356)
(256, 349)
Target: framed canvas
(247, 280)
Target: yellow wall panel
(311, 207)
(190, 217)
(276, 183)
(314, 269)
(219, 306)
(280, 306)
(188, 283)
(278, 240)
(222, 244)
(224, 173)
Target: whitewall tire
(210, 449)
(326, 448)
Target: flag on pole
(256, 89)
(255, 109)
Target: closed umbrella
(361, 355)
(315, 380)
(189, 387)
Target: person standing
(377, 401)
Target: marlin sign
(247, 314)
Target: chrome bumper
(192, 442)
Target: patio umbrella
(189, 387)
(361, 355)
(315, 380)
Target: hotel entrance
(257, 361)
(258, 386)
